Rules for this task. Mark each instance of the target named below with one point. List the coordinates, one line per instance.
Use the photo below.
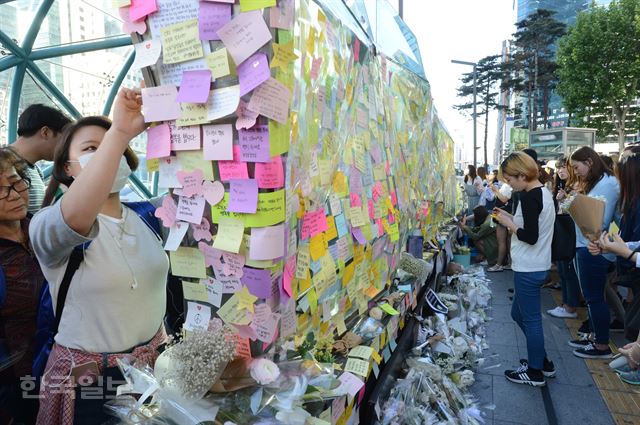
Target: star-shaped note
(283, 55)
(246, 299)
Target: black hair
(480, 215)
(532, 153)
(37, 116)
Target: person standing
(39, 131)
(532, 230)
(472, 188)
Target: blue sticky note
(341, 225)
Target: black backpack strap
(76, 258)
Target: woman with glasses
(21, 282)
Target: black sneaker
(585, 328)
(524, 375)
(548, 368)
(510, 290)
(591, 352)
(616, 326)
(580, 343)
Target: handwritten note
(231, 313)
(193, 114)
(267, 243)
(176, 234)
(253, 72)
(211, 17)
(188, 262)
(283, 55)
(257, 281)
(198, 316)
(141, 8)
(271, 210)
(245, 34)
(181, 42)
(159, 104)
(217, 141)
(193, 160)
(185, 138)
(218, 63)
(147, 53)
(223, 102)
(243, 196)
(313, 223)
(229, 237)
(248, 5)
(357, 366)
(270, 175)
(194, 291)
(246, 118)
(281, 16)
(271, 99)
(158, 141)
(195, 86)
(351, 383)
(234, 169)
(254, 144)
(168, 169)
(190, 209)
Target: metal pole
(401, 9)
(475, 117)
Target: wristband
(634, 252)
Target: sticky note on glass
(244, 34)
(223, 102)
(271, 99)
(243, 196)
(195, 291)
(351, 383)
(198, 316)
(234, 169)
(254, 144)
(257, 281)
(314, 222)
(193, 114)
(147, 53)
(194, 87)
(229, 237)
(158, 141)
(270, 175)
(181, 42)
(231, 313)
(160, 104)
(191, 210)
(185, 138)
(138, 9)
(193, 160)
(248, 5)
(283, 55)
(217, 142)
(357, 366)
(361, 351)
(218, 63)
(267, 243)
(211, 17)
(188, 262)
(281, 16)
(253, 72)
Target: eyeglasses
(19, 186)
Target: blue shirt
(609, 189)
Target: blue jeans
(592, 273)
(569, 283)
(525, 311)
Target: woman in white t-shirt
(117, 296)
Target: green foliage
(599, 67)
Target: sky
(466, 30)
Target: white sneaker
(562, 313)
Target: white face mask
(122, 175)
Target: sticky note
(244, 34)
(218, 63)
(190, 209)
(167, 170)
(243, 196)
(188, 262)
(317, 247)
(231, 313)
(248, 5)
(198, 316)
(147, 53)
(283, 55)
(246, 299)
(267, 243)
(181, 42)
(281, 16)
(279, 136)
(303, 262)
(257, 281)
(158, 141)
(271, 99)
(243, 347)
(211, 17)
(194, 291)
(254, 144)
(253, 72)
(194, 87)
(351, 383)
(193, 114)
(270, 175)
(387, 308)
(184, 138)
(223, 102)
(271, 210)
(159, 104)
(229, 237)
(313, 223)
(357, 366)
(193, 160)
(235, 169)
(138, 9)
(246, 118)
(361, 351)
(217, 142)
(176, 233)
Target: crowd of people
(602, 272)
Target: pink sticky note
(314, 222)
(159, 104)
(394, 198)
(244, 34)
(266, 329)
(380, 227)
(211, 17)
(217, 142)
(253, 72)
(191, 182)
(158, 141)
(243, 196)
(128, 26)
(230, 284)
(351, 383)
(271, 99)
(213, 192)
(246, 118)
(372, 209)
(258, 281)
(254, 144)
(356, 49)
(355, 200)
(289, 272)
(233, 264)
(185, 138)
(141, 8)
(281, 16)
(267, 243)
(315, 68)
(270, 175)
(202, 231)
(235, 169)
(190, 209)
(377, 190)
(167, 212)
(211, 256)
(195, 86)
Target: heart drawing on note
(213, 192)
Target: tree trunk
(620, 123)
(535, 91)
(486, 123)
(545, 106)
(530, 105)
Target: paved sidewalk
(572, 396)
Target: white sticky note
(176, 235)
(198, 316)
(147, 53)
(223, 102)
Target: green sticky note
(194, 291)
(270, 210)
(188, 262)
(279, 137)
(248, 5)
(389, 310)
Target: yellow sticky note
(355, 214)
(194, 291)
(188, 262)
(271, 210)
(372, 291)
(312, 297)
(120, 3)
(279, 137)
(340, 183)
(324, 169)
(229, 237)
(349, 272)
(193, 114)
(317, 246)
(341, 327)
(376, 357)
(194, 160)
(387, 308)
(311, 40)
(361, 351)
(248, 5)
(153, 165)
(357, 366)
(246, 299)
(283, 55)
(181, 42)
(331, 232)
(232, 314)
(394, 232)
(303, 262)
(218, 63)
